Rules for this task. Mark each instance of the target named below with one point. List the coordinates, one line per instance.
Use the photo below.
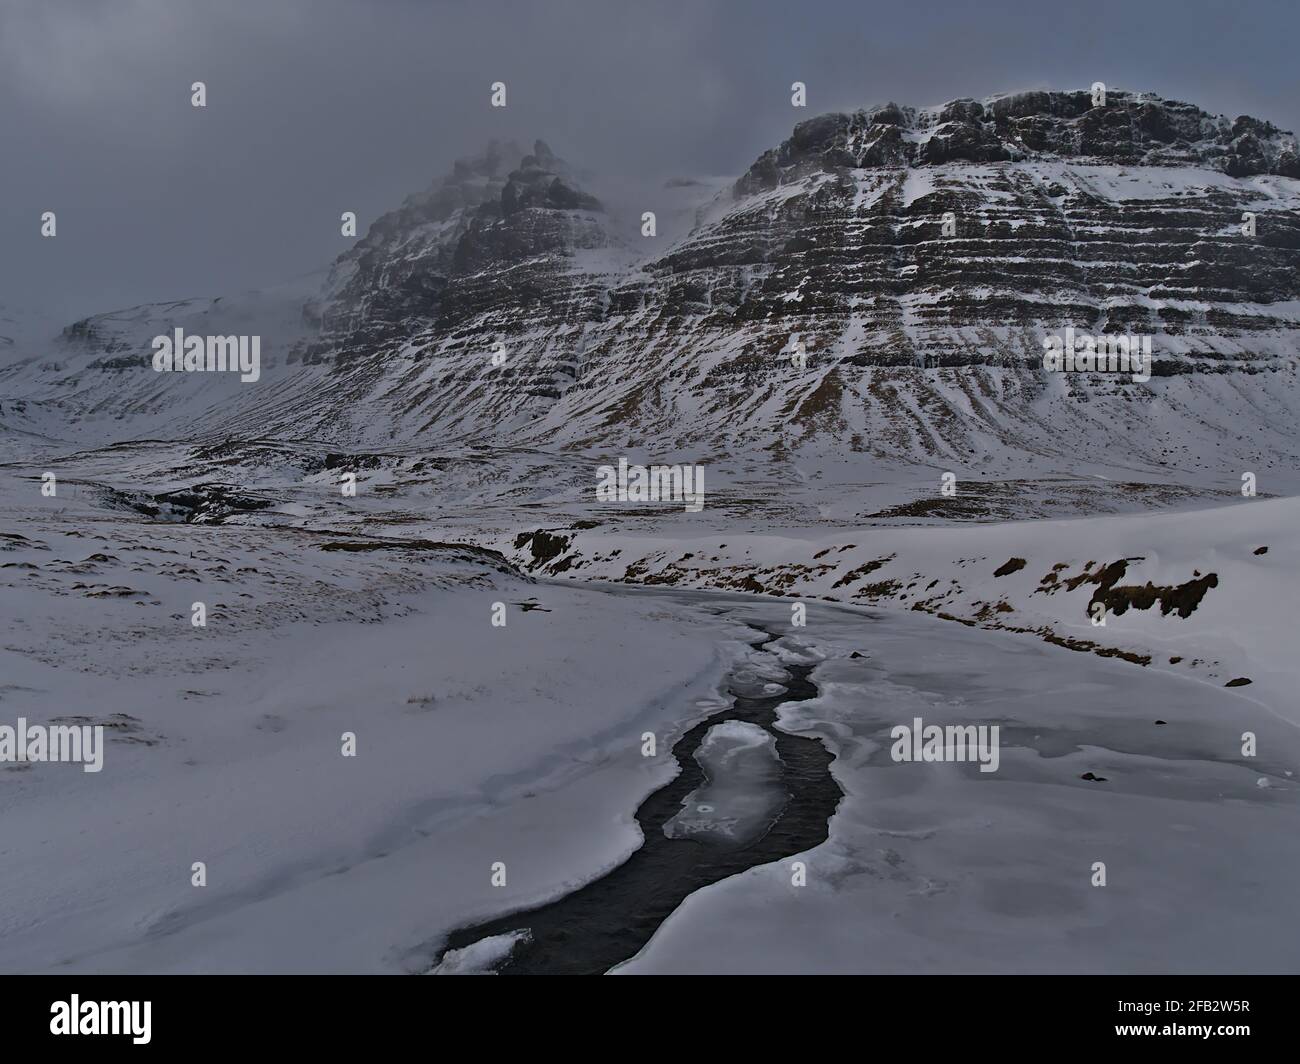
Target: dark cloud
(318, 107)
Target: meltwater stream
(610, 919)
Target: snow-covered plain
(523, 745)
(475, 744)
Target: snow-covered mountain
(92, 382)
(506, 306)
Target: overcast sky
(320, 106)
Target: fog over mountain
(321, 106)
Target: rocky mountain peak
(544, 180)
(1132, 128)
(419, 265)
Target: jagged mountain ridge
(921, 346)
(419, 265)
(1135, 128)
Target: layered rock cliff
(919, 257)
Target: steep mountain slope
(94, 382)
(500, 308)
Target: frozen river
(1136, 821)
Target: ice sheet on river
(743, 793)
